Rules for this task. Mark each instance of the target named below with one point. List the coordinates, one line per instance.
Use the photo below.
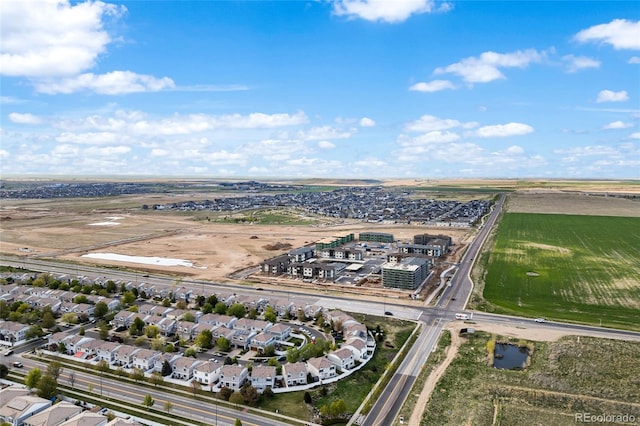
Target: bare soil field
(571, 203)
(70, 229)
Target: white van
(463, 316)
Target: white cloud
(92, 138)
(386, 10)
(634, 60)
(159, 152)
(503, 130)
(112, 83)
(4, 154)
(619, 33)
(53, 38)
(617, 125)
(325, 132)
(577, 63)
(428, 123)
(367, 122)
(435, 137)
(25, 118)
(486, 67)
(635, 135)
(326, 145)
(432, 86)
(611, 96)
(106, 151)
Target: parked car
(540, 320)
(8, 352)
(17, 364)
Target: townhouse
(233, 376)
(321, 368)
(295, 373)
(183, 367)
(207, 373)
(263, 376)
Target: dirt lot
(67, 232)
(570, 203)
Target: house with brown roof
(233, 376)
(54, 415)
(107, 351)
(183, 367)
(321, 368)
(145, 359)
(342, 358)
(261, 340)
(124, 355)
(281, 331)
(295, 373)
(263, 376)
(207, 373)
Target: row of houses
(18, 407)
(358, 347)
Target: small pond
(510, 357)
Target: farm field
(565, 267)
(572, 375)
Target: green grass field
(565, 267)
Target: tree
(81, 298)
(270, 315)
(293, 355)
(48, 320)
(33, 332)
(100, 310)
(188, 316)
(128, 298)
(140, 341)
(223, 343)
(148, 401)
(62, 348)
(168, 406)
(268, 392)
(69, 318)
(195, 386)
(204, 339)
(4, 371)
(207, 308)
(54, 369)
(156, 379)
(32, 378)
(81, 331)
(47, 387)
(191, 352)
(250, 394)
(103, 366)
(238, 422)
(103, 330)
(252, 314)
(270, 350)
(212, 300)
(237, 310)
(137, 375)
(225, 393)
(307, 397)
(220, 308)
(166, 368)
(236, 398)
(152, 331)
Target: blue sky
(336, 89)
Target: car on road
(540, 320)
(17, 364)
(388, 313)
(8, 352)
